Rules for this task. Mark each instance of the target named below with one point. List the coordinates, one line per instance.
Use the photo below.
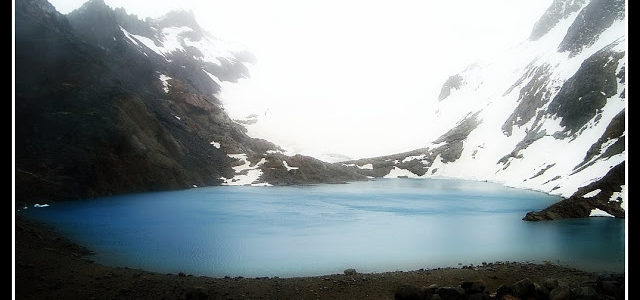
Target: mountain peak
(558, 10)
(178, 18)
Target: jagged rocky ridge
(546, 115)
(107, 103)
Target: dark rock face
(453, 82)
(92, 117)
(309, 170)
(594, 19)
(559, 10)
(615, 131)
(586, 92)
(454, 138)
(577, 206)
(533, 96)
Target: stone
(611, 287)
(479, 296)
(523, 288)
(196, 293)
(350, 272)
(540, 292)
(410, 292)
(584, 293)
(472, 287)
(550, 284)
(451, 293)
(503, 290)
(560, 293)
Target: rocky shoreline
(49, 266)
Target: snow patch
(284, 163)
(410, 158)
(39, 205)
(397, 172)
(165, 83)
(366, 167)
(215, 144)
(213, 77)
(621, 194)
(591, 194)
(596, 212)
(251, 173)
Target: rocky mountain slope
(107, 103)
(548, 115)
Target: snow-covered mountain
(548, 115)
(108, 103)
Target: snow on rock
(245, 173)
(596, 212)
(215, 144)
(591, 194)
(284, 162)
(39, 205)
(213, 77)
(410, 158)
(165, 83)
(366, 167)
(397, 172)
(194, 186)
(622, 197)
(177, 117)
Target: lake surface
(384, 225)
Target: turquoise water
(385, 225)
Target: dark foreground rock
(602, 288)
(578, 206)
(48, 266)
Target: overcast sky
(357, 78)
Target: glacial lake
(382, 225)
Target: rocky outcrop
(453, 82)
(611, 143)
(592, 21)
(559, 10)
(583, 96)
(580, 206)
(534, 95)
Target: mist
(358, 79)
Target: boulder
(472, 287)
(451, 293)
(196, 293)
(523, 288)
(550, 284)
(503, 290)
(540, 292)
(560, 293)
(584, 293)
(410, 292)
(350, 272)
